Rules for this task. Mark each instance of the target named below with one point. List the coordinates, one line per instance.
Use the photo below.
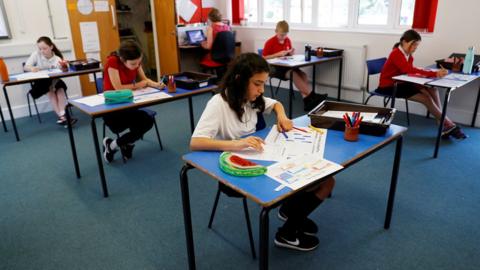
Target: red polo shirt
(273, 46)
(127, 76)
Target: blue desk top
(261, 189)
(106, 108)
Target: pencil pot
(351, 133)
(172, 87)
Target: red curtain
(237, 11)
(424, 15)
(200, 15)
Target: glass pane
(406, 13)
(332, 13)
(295, 11)
(373, 12)
(307, 11)
(272, 10)
(251, 10)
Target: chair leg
(158, 134)
(103, 136)
(69, 107)
(428, 114)
(271, 88)
(249, 227)
(212, 215)
(118, 136)
(28, 102)
(368, 98)
(36, 109)
(408, 114)
(278, 86)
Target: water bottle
(468, 63)
(308, 48)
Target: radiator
(353, 75)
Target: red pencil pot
(351, 133)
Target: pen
(301, 129)
(285, 134)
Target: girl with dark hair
(400, 61)
(121, 72)
(236, 112)
(48, 56)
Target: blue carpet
(52, 220)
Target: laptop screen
(195, 36)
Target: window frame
(393, 18)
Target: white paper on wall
(186, 9)
(90, 39)
(101, 6)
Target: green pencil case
(118, 96)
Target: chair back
(374, 66)
(223, 47)
(99, 83)
(260, 52)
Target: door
(103, 13)
(165, 23)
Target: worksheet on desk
(300, 171)
(294, 143)
(288, 60)
(453, 80)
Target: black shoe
(458, 134)
(308, 227)
(447, 131)
(108, 154)
(299, 241)
(127, 151)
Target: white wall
(456, 28)
(28, 20)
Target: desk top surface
(56, 75)
(261, 189)
(102, 109)
(293, 62)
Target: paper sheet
(453, 80)
(149, 97)
(288, 60)
(302, 170)
(186, 9)
(32, 75)
(278, 148)
(101, 6)
(90, 39)
(413, 79)
(92, 101)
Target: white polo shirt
(36, 59)
(220, 122)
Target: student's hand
(250, 141)
(284, 124)
(34, 69)
(283, 53)
(291, 51)
(141, 84)
(158, 85)
(442, 73)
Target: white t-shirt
(37, 59)
(220, 122)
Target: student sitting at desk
(216, 26)
(236, 112)
(120, 72)
(400, 61)
(48, 56)
(280, 45)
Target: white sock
(113, 145)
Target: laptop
(195, 37)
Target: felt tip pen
(301, 129)
(285, 134)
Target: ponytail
(49, 42)
(408, 36)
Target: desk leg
(11, 113)
(442, 120)
(476, 109)
(290, 95)
(340, 74)
(264, 225)
(393, 182)
(190, 109)
(99, 159)
(72, 141)
(187, 215)
(314, 73)
(95, 81)
(3, 120)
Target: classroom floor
(51, 220)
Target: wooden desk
(294, 64)
(104, 109)
(14, 81)
(448, 90)
(262, 191)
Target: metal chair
(375, 66)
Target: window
(373, 12)
(347, 14)
(406, 12)
(272, 11)
(4, 30)
(333, 13)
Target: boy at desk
(279, 46)
(400, 61)
(225, 124)
(120, 72)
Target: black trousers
(137, 121)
